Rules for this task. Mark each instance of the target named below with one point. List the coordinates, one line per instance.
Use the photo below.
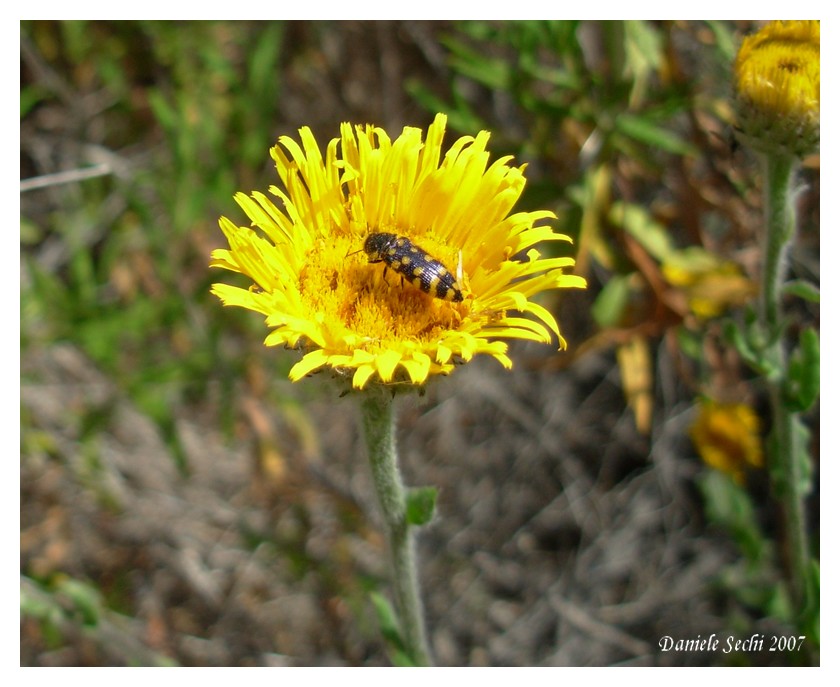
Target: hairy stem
(785, 466)
(378, 424)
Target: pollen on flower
(388, 319)
(369, 299)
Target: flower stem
(785, 463)
(378, 424)
(778, 206)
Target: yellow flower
(726, 436)
(710, 284)
(777, 87)
(312, 276)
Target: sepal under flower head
(777, 88)
(316, 286)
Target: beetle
(414, 264)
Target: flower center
(370, 301)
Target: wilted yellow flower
(710, 284)
(727, 437)
(777, 87)
(312, 276)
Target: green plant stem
(778, 207)
(785, 465)
(378, 424)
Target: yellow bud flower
(777, 88)
(726, 437)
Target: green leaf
(387, 618)
(724, 39)
(780, 477)
(30, 233)
(460, 116)
(161, 109)
(495, 74)
(40, 604)
(30, 96)
(390, 630)
(777, 604)
(811, 613)
(749, 345)
(610, 304)
(263, 58)
(34, 606)
(85, 599)
(801, 441)
(729, 506)
(643, 50)
(691, 343)
(734, 336)
(637, 221)
(645, 131)
(803, 380)
(802, 289)
(420, 505)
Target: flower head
(379, 308)
(777, 87)
(710, 284)
(726, 436)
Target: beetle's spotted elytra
(413, 264)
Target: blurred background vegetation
(181, 502)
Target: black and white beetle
(414, 264)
